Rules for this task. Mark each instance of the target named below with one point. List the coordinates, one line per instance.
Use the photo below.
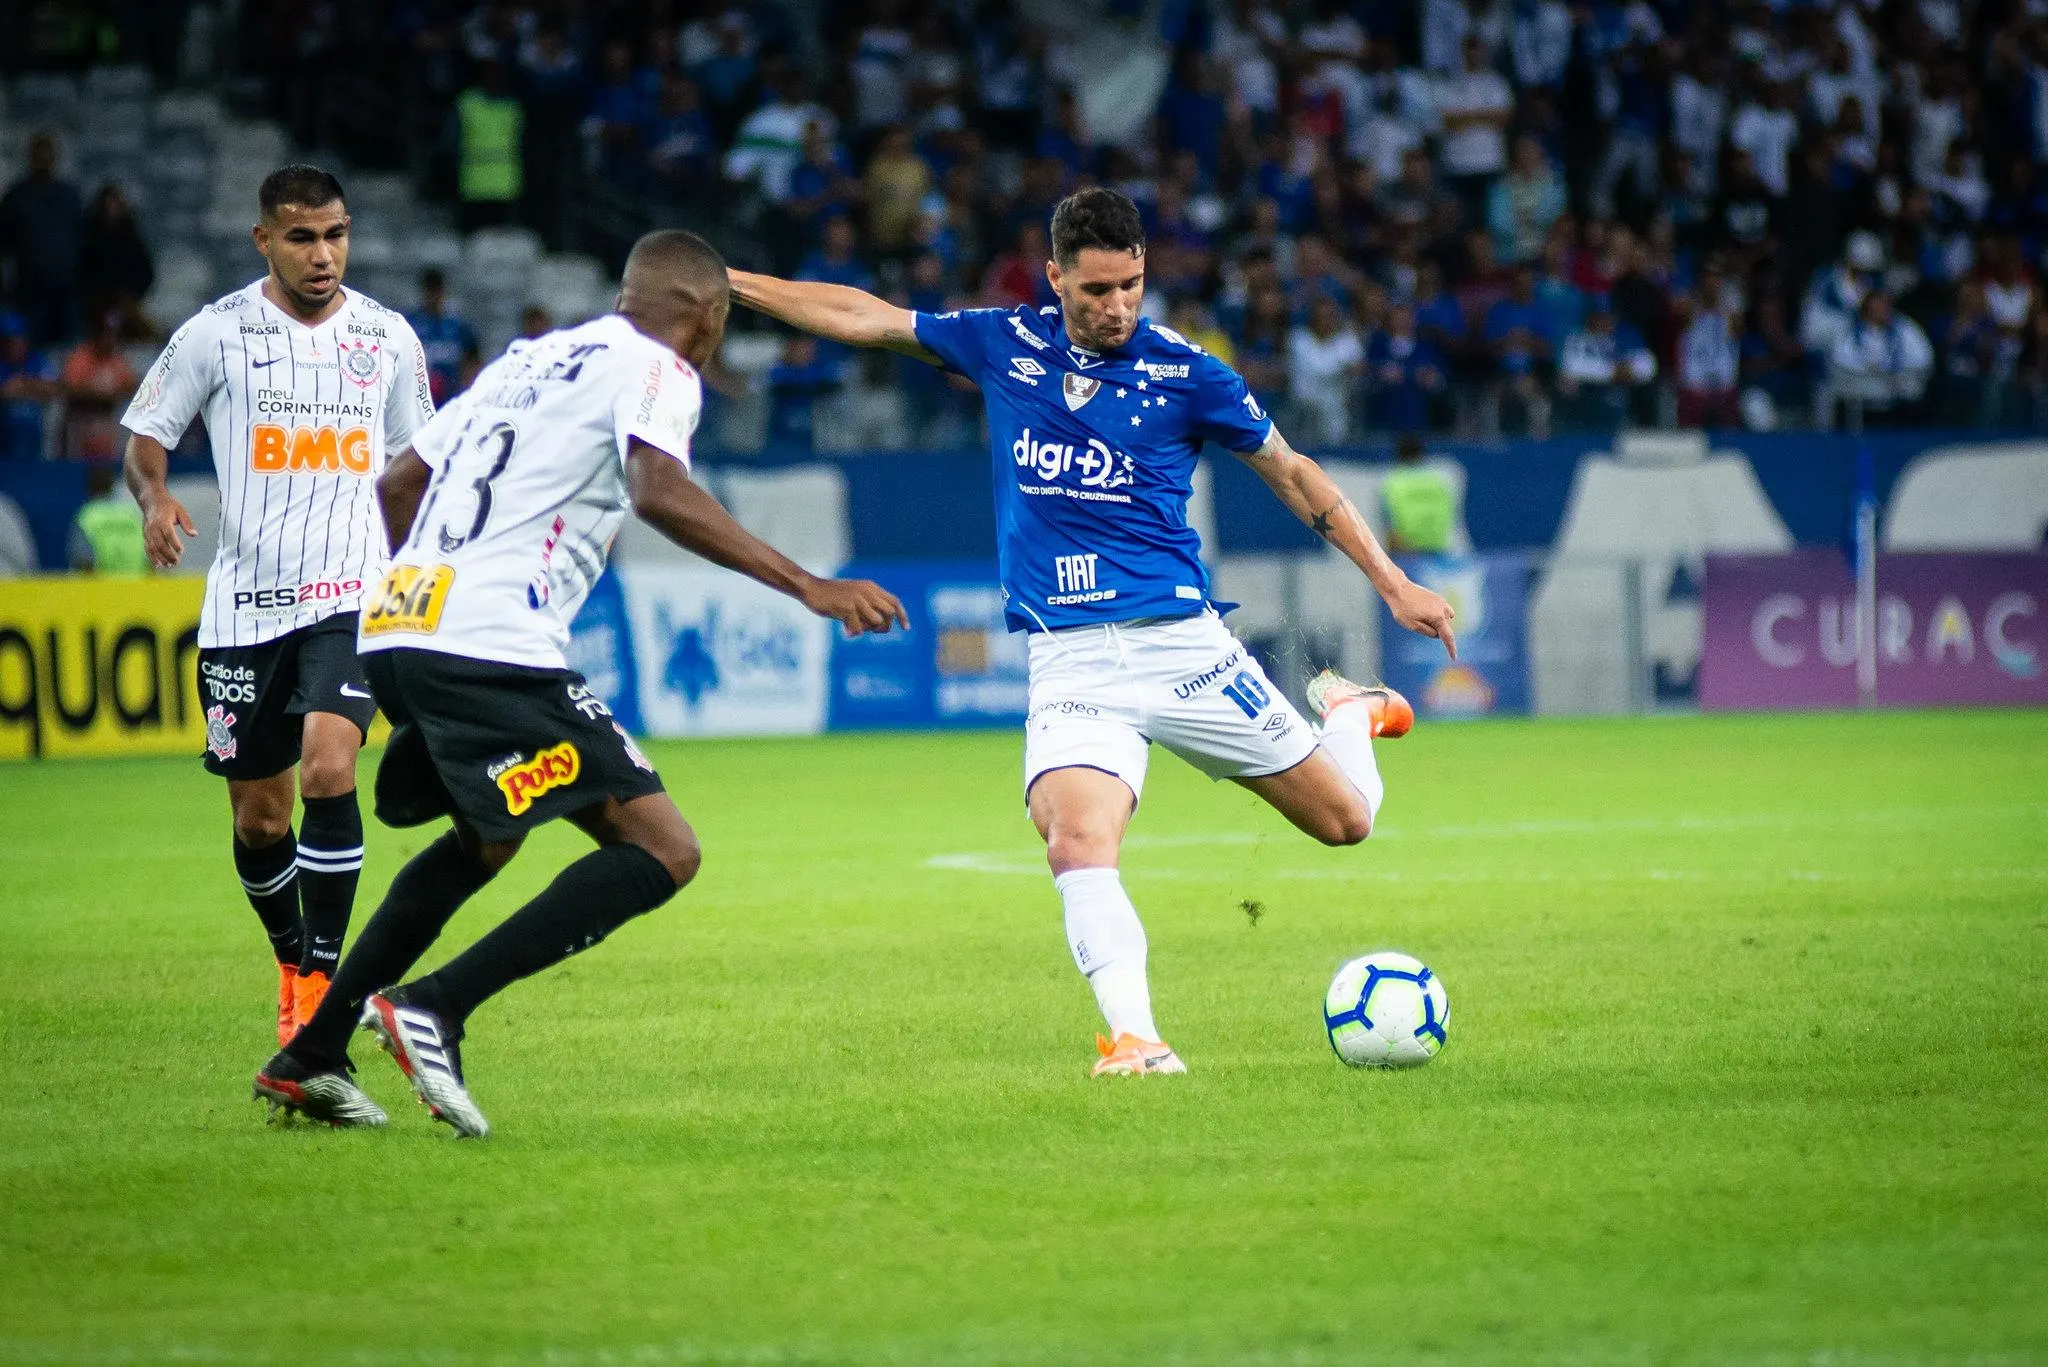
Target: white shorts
(1101, 695)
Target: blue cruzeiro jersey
(1094, 461)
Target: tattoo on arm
(1322, 522)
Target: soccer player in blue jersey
(1095, 419)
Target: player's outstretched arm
(839, 312)
(682, 510)
(1306, 489)
(147, 467)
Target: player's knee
(1347, 826)
(327, 775)
(259, 826)
(681, 855)
(1080, 846)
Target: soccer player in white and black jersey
(303, 386)
(501, 516)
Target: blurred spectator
(1709, 362)
(1476, 107)
(1420, 502)
(106, 535)
(1603, 363)
(113, 260)
(1766, 130)
(1187, 316)
(535, 321)
(770, 143)
(895, 185)
(682, 157)
(41, 223)
(1262, 346)
(1880, 366)
(1776, 370)
(1520, 347)
(1325, 360)
(1524, 203)
(29, 384)
(619, 112)
(1404, 373)
(1836, 294)
(490, 123)
(97, 380)
(449, 343)
(822, 187)
(795, 384)
(1018, 275)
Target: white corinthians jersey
(529, 490)
(300, 419)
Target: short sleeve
(1225, 411)
(659, 404)
(410, 401)
(435, 437)
(176, 387)
(958, 338)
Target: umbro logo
(1025, 369)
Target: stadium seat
(106, 85)
(201, 497)
(1645, 527)
(1978, 498)
(17, 541)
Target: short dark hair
(433, 278)
(1095, 217)
(674, 249)
(309, 187)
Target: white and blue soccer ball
(1386, 1010)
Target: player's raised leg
(1336, 793)
(1082, 813)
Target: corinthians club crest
(360, 363)
(1077, 390)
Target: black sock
(427, 891)
(330, 862)
(587, 901)
(270, 876)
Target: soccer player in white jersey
(1095, 419)
(303, 386)
(501, 516)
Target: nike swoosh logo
(351, 691)
(258, 365)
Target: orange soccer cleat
(287, 1003)
(1389, 715)
(1134, 1057)
(307, 993)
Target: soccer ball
(1386, 1010)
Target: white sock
(1348, 738)
(1108, 942)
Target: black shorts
(256, 697)
(507, 747)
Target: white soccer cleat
(1389, 714)
(1134, 1057)
(418, 1040)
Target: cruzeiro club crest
(1077, 390)
(360, 363)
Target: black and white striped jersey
(529, 491)
(300, 420)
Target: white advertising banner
(719, 655)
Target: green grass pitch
(1748, 1062)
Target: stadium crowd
(1526, 215)
(1451, 215)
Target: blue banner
(1491, 674)
(956, 666)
